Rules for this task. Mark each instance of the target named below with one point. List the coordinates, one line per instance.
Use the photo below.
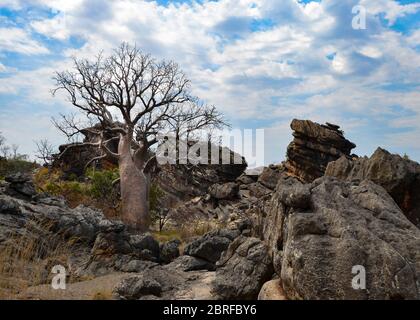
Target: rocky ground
(294, 231)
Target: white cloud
(371, 52)
(392, 9)
(13, 4)
(277, 73)
(18, 40)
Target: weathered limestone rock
(243, 269)
(211, 246)
(398, 176)
(344, 224)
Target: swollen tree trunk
(134, 187)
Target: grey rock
(257, 190)
(224, 191)
(293, 193)
(269, 178)
(243, 269)
(143, 242)
(169, 251)
(246, 179)
(189, 263)
(133, 288)
(110, 243)
(9, 206)
(174, 285)
(347, 224)
(20, 185)
(400, 177)
(210, 246)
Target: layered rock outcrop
(400, 177)
(313, 147)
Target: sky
(261, 62)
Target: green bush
(13, 166)
(102, 183)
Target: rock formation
(287, 233)
(243, 269)
(313, 147)
(211, 246)
(398, 176)
(326, 228)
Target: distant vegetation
(11, 161)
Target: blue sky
(261, 62)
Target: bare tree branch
(44, 151)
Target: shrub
(13, 166)
(155, 196)
(102, 184)
(158, 214)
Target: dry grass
(27, 258)
(186, 232)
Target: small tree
(135, 96)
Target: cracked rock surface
(342, 225)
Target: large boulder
(343, 225)
(399, 176)
(225, 191)
(135, 287)
(313, 147)
(243, 269)
(169, 251)
(211, 246)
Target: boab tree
(136, 97)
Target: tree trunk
(134, 188)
